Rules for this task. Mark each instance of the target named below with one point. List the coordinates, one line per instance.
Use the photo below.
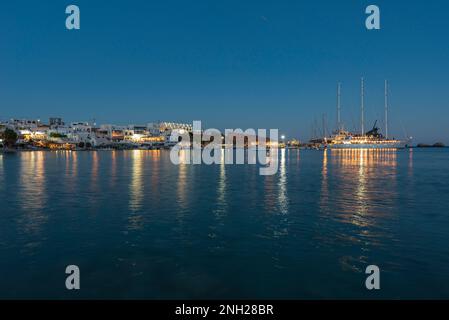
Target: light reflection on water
(33, 192)
(221, 189)
(282, 185)
(360, 179)
(1, 173)
(113, 177)
(307, 231)
(280, 229)
(136, 190)
(182, 187)
(220, 208)
(94, 172)
(358, 198)
(71, 172)
(324, 183)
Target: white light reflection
(282, 184)
(181, 192)
(32, 192)
(136, 190)
(221, 190)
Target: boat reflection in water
(1, 173)
(358, 202)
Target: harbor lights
(283, 141)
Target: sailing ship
(372, 139)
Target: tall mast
(386, 109)
(338, 106)
(324, 126)
(362, 102)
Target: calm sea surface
(140, 227)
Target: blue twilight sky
(233, 63)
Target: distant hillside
(435, 145)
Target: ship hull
(367, 146)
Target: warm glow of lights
(137, 137)
(136, 184)
(153, 139)
(33, 193)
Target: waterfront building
(58, 135)
(169, 126)
(56, 122)
(60, 130)
(83, 127)
(23, 124)
(81, 132)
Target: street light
(283, 140)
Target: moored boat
(373, 139)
